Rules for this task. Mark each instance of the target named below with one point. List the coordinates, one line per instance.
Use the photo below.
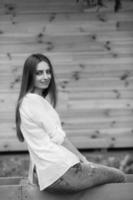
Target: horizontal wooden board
(79, 59)
(50, 25)
(83, 115)
(68, 125)
(36, 7)
(12, 145)
(89, 113)
(72, 71)
(10, 104)
(78, 126)
(71, 17)
(113, 133)
(100, 104)
(99, 113)
(83, 142)
(61, 43)
(7, 131)
(80, 142)
(77, 84)
(105, 94)
(44, 6)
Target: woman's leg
(83, 176)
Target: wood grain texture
(92, 55)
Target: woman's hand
(83, 159)
(73, 149)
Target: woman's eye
(39, 72)
(48, 72)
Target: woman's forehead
(42, 66)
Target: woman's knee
(120, 176)
(105, 173)
(116, 174)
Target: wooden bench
(16, 188)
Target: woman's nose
(45, 76)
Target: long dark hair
(27, 85)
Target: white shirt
(41, 128)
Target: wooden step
(18, 188)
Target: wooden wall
(92, 54)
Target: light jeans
(86, 175)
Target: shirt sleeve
(38, 112)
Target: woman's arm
(73, 149)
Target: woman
(55, 163)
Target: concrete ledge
(11, 191)
(104, 192)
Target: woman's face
(42, 77)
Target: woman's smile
(45, 82)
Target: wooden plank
(101, 133)
(35, 7)
(72, 17)
(97, 31)
(105, 118)
(81, 141)
(9, 116)
(10, 192)
(92, 143)
(100, 113)
(60, 43)
(92, 84)
(113, 191)
(64, 25)
(24, 8)
(66, 97)
(8, 64)
(73, 71)
(12, 145)
(98, 125)
(105, 94)
(10, 104)
(91, 132)
(77, 113)
(80, 59)
(81, 95)
(10, 68)
(79, 123)
(128, 26)
(83, 120)
(100, 104)
(60, 39)
(87, 73)
(74, 76)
